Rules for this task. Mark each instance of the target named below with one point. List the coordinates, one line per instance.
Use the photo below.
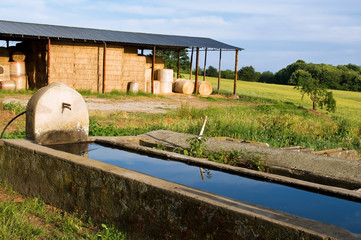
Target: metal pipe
(197, 72)
(219, 71)
(153, 70)
(205, 65)
(2, 133)
(104, 65)
(235, 74)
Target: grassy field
(348, 103)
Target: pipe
(2, 133)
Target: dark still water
(339, 212)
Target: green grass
(31, 218)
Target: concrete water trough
(124, 189)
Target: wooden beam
(219, 71)
(235, 74)
(153, 71)
(178, 65)
(190, 73)
(48, 70)
(197, 72)
(205, 65)
(104, 65)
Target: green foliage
(197, 146)
(248, 74)
(342, 77)
(317, 92)
(30, 218)
(170, 59)
(15, 107)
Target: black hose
(10, 123)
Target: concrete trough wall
(145, 207)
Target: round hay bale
(165, 75)
(17, 68)
(184, 86)
(18, 56)
(4, 52)
(7, 85)
(133, 87)
(165, 87)
(4, 55)
(20, 81)
(204, 88)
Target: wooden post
(197, 71)
(104, 65)
(7, 44)
(48, 70)
(178, 65)
(235, 74)
(219, 71)
(153, 71)
(190, 74)
(205, 65)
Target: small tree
(317, 92)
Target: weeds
(15, 107)
(31, 218)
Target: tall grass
(278, 124)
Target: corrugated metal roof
(32, 30)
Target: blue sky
(274, 33)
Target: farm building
(89, 59)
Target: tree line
(341, 77)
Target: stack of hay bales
(5, 82)
(17, 70)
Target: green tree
(266, 77)
(170, 59)
(317, 92)
(212, 72)
(248, 73)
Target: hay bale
(4, 55)
(165, 75)
(18, 56)
(204, 88)
(166, 87)
(17, 69)
(7, 85)
(184, 86)
(20, 81)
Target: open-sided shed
(97, 60)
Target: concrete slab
(315, 168)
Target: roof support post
(190, 72)
(7, 44)
(235, 74)
(48, 69)
(153, 71)
(197, 72)
(219, 71)
(205, 65)
(178, 64)
(104, 65)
